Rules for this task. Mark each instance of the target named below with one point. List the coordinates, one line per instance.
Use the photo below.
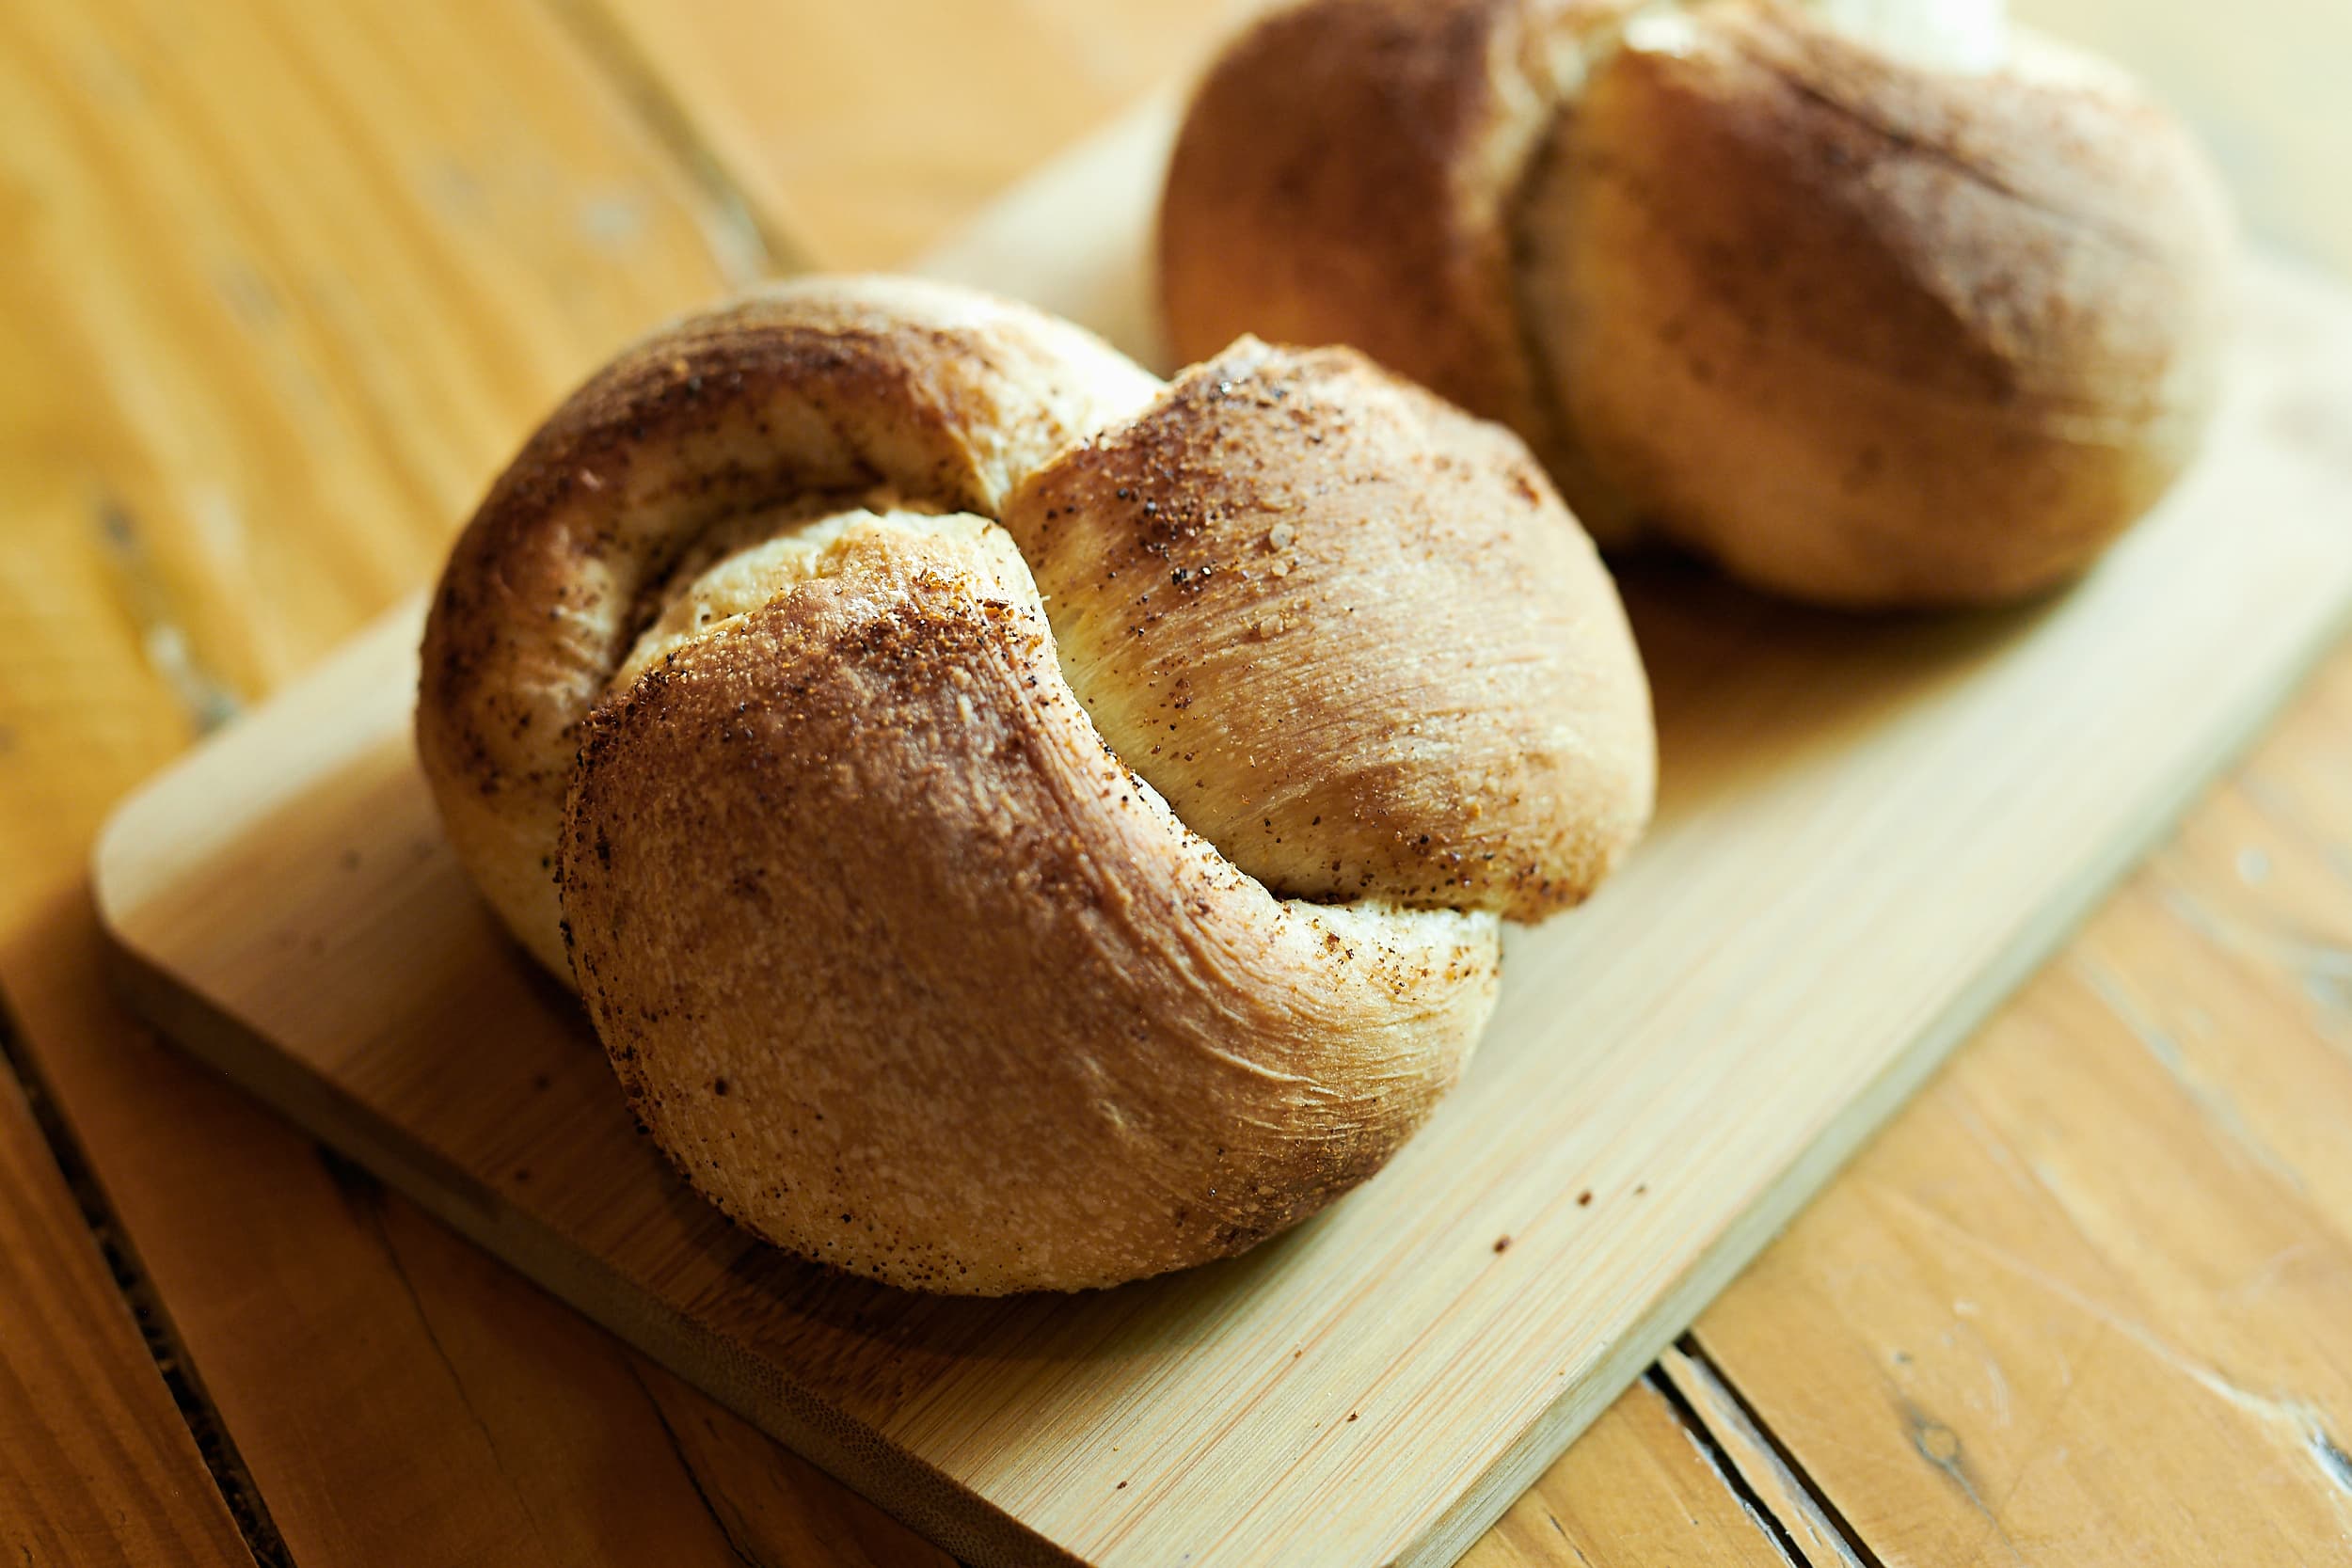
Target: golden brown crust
(1865, 331)
(909, 974)
(897, 959)
(1380, 216)
(840, 386)
(1350, 634)
(1869, 333)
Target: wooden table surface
(283, 284)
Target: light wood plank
(1639, 1489)
(864, 133)
(95, 1465)
(778, 1512)
(396, 232)
(1808, 1530)
(401, 1397)
(857, 131)
(2083, 1303)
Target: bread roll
(1015, 825)
(1874, 305)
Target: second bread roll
(1869, 317)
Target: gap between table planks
(315, 942)
(2085, 1303)
(91, 1448)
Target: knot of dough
(1015, 824)
(1875, 302)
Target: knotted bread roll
(1875, 302)
(1016, 825)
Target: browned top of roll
(1868, 332)
(936, 396)
(906, 970)
(1862, 327)
(1345, 175)
(1347, 631)
(895, 956)
(1964, 237)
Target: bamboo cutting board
(1869, 829)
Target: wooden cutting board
(1869, 831)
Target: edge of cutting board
(917, 1493)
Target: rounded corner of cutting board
(125, 849)
(161, 830)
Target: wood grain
(95, 1465)
(1642, 1488)
(866, 131)
(1808, 1530)
(2124, 1212)
(399, 1396)
(851, 131)
(1821, 771)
